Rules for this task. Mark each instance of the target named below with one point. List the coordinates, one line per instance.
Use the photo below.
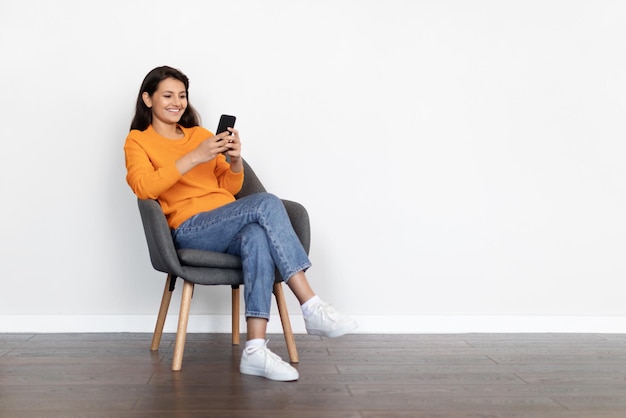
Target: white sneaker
(260, 361)
(327, 322)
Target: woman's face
(168, 102)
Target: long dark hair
(143, 114)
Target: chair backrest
(251, 183)
(159, 237)
(161, 246)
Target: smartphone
(226, 121)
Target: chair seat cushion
(199, 258)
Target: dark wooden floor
(365, 376)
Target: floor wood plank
(357, 376)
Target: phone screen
(226, 121)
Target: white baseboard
(368, 324)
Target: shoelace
(328, 312)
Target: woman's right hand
(211, 147)
(204, 152)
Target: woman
(169, 157)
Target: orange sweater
(152, 174)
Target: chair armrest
(299, 218)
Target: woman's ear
(146, 99)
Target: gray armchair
(209, 268)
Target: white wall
(462, 162)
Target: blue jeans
(256, 228)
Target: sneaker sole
(251, 371)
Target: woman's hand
(211, 148)
(204, 152)
(233, 146)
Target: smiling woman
(172, 159)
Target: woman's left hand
(234, 150)
(234, 144)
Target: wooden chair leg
(235, 315)
(183, 319)
(165, 304)
(284, 319)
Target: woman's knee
(269, 199)
(263, 202)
